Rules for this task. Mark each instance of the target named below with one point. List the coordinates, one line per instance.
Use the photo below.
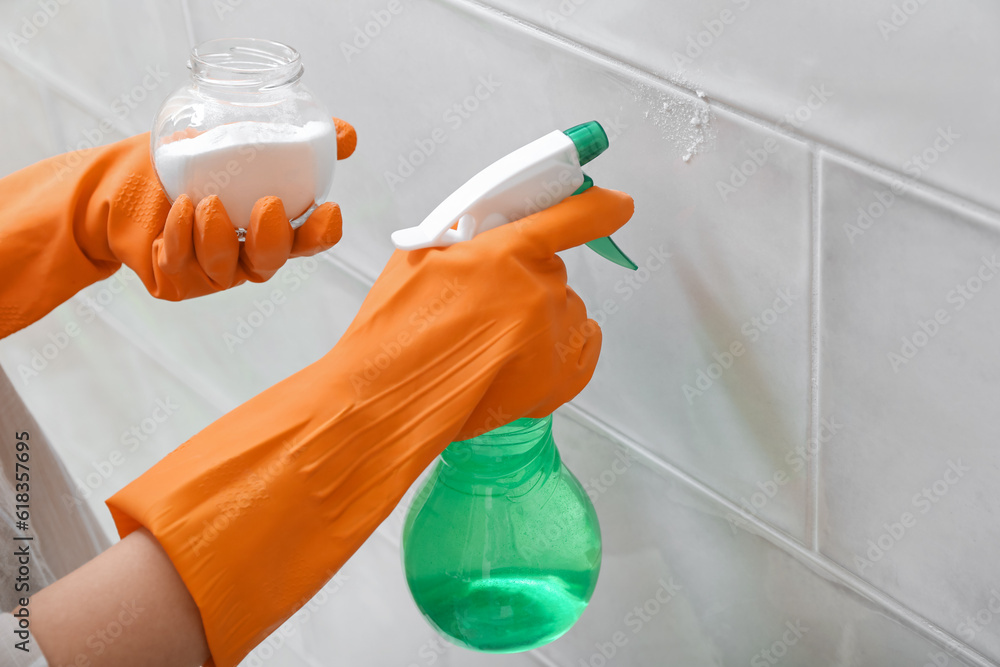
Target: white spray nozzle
(532, 178)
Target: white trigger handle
(535, 176)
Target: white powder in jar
(242, 162)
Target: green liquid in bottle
(502, 547)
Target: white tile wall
(736, 593)
(722, 492)
(911, 316)
(76, 128)
(22, 99)
(120, 59)
(889, 89)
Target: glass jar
(245, 127)
(502, 547)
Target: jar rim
(245, 62)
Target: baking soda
(242, 162)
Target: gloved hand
(258, 511)
(65, 227)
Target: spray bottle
(532, 178)
(502, 547)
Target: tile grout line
(916, 188)
(815, 315)
(352, 271)
(637, 72)
(966, 205)
(817, 563)
(589, 52)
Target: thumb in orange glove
(64, 228)
(260, 509)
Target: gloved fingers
(175, 250)
(268, 240)
(215, 243)
(574, 221)
(563, 371)
(177, 274)
(320, 232)
(347, 139)
(577, 350)
(579, 363)
(591, 350)
(576, 310)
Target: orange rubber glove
(258, 511)
(65, 227)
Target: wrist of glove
(258, 511)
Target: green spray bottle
(502, 547)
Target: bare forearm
(126, 607)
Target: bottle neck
(512, 456)
(244, 68)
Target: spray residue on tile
(682, 120)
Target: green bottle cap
(590, 140)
